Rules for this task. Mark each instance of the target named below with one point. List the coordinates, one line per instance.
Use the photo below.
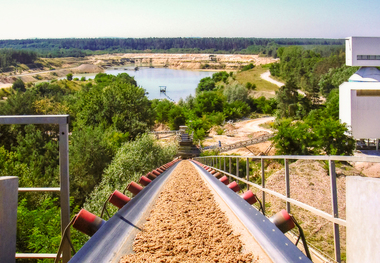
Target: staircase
(186, 147)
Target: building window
(368, 57)
(367, 93)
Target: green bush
(236, 93)
(133, 159)
(248, 67)
(19, 85)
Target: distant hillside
(77, 47)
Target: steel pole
(247, 171)
(334, 200)
(263, 183)
(287, 183)
(237, 166)
(8, 218)
(65, 186)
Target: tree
(119, 104)
(19, 85)
(250, 86)
(287, 99)
(69, 76)
(176, 117)
(205, 84)
(207, 102)
(162, 109)
(236, 93)
(220, 76)
(293, 138)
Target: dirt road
(266, 76)
(242, 131)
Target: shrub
(19, 85)
(69, 76)
(248, 67)
(132, 160)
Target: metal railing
(239, 144)
(216, 163)
(63, 122)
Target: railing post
(247, 170)
(230, 167)
(8, 218)
(237, 166)
(224, 164)
(263, 183)
(287, 184)
(65, 186)
(220, 163)
(334, 200)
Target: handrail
(239, 144)
(64, 188)
(38, 189)
(213, 162)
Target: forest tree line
(77, 47)
(12, 57)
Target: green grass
(253, 76)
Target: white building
(363, 51)
(359, 98)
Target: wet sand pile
(186, 225)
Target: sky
(22, 19)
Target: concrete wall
(360, 112)
(363, 219)
(345, 104)
(8, 218)
(362, 46)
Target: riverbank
(54, 68)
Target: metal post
(237, 166)
(263, 182)
(224, 164)
(8, 217)
(334, 200)
(220, 163)
(229, 167)
(65, 186)
(287, 184)
(247, 171)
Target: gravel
(186, 225)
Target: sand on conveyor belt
(186, 225)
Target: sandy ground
(368, 169)
(187, 225)
(241, 131)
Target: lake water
(179, 83)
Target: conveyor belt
(115, 238)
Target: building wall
(363, 46)
(345, 104)
(363, 224)
(361, 112)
